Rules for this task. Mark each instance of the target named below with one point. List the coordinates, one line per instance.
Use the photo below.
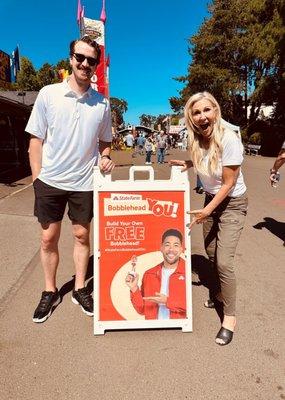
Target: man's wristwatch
(106, 156)
(273, 171)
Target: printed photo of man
(162, 294)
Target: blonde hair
(195, 138)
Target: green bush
(244, 136)
(255, 138)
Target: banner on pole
(96, 30)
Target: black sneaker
(84, 299)
(48, 302)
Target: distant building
(265, 112)
(15, 109)
(135, 130)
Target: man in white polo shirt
(70, 128)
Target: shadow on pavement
(275, 227)
(200, 266)
(9, 176)
(208, 278)
(68, 286)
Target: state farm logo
(118, 205)
(125, 197)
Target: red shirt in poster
(151, 284)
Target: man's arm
(177, 301)
(105, 164)
(135, 293)
(280, 160)
(35, 155)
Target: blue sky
(146, 40)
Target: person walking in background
(148, 149)
(217, 154)
(274, 172)
(184, 142)
(129, 140)
(140, 144)
(70, 128)
(161, 146)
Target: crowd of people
(156, 143)
(70, 128)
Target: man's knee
(81, 235)
(49, 242)
(50, 236)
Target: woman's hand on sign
(185, 164)
(159, 298)
(132, 280)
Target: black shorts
(50, 203)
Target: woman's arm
(185, 164)
(229, 177)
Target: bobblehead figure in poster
(142, 263)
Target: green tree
(62, 64)
(118, 108)
(46, 75)
(235, 57)
(160, 122)
(147, 120)
(27, 76)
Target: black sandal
(225, 335)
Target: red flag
(103, 15)
(80, 10)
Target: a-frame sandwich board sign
(142, 252)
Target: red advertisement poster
(142, 263)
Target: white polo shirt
(232, 154)
(71, 126)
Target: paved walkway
(61, 359)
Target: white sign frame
(178, 181)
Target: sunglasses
(80, 58)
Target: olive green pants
(222, 231)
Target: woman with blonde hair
(216, 154)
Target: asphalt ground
(62, 359)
